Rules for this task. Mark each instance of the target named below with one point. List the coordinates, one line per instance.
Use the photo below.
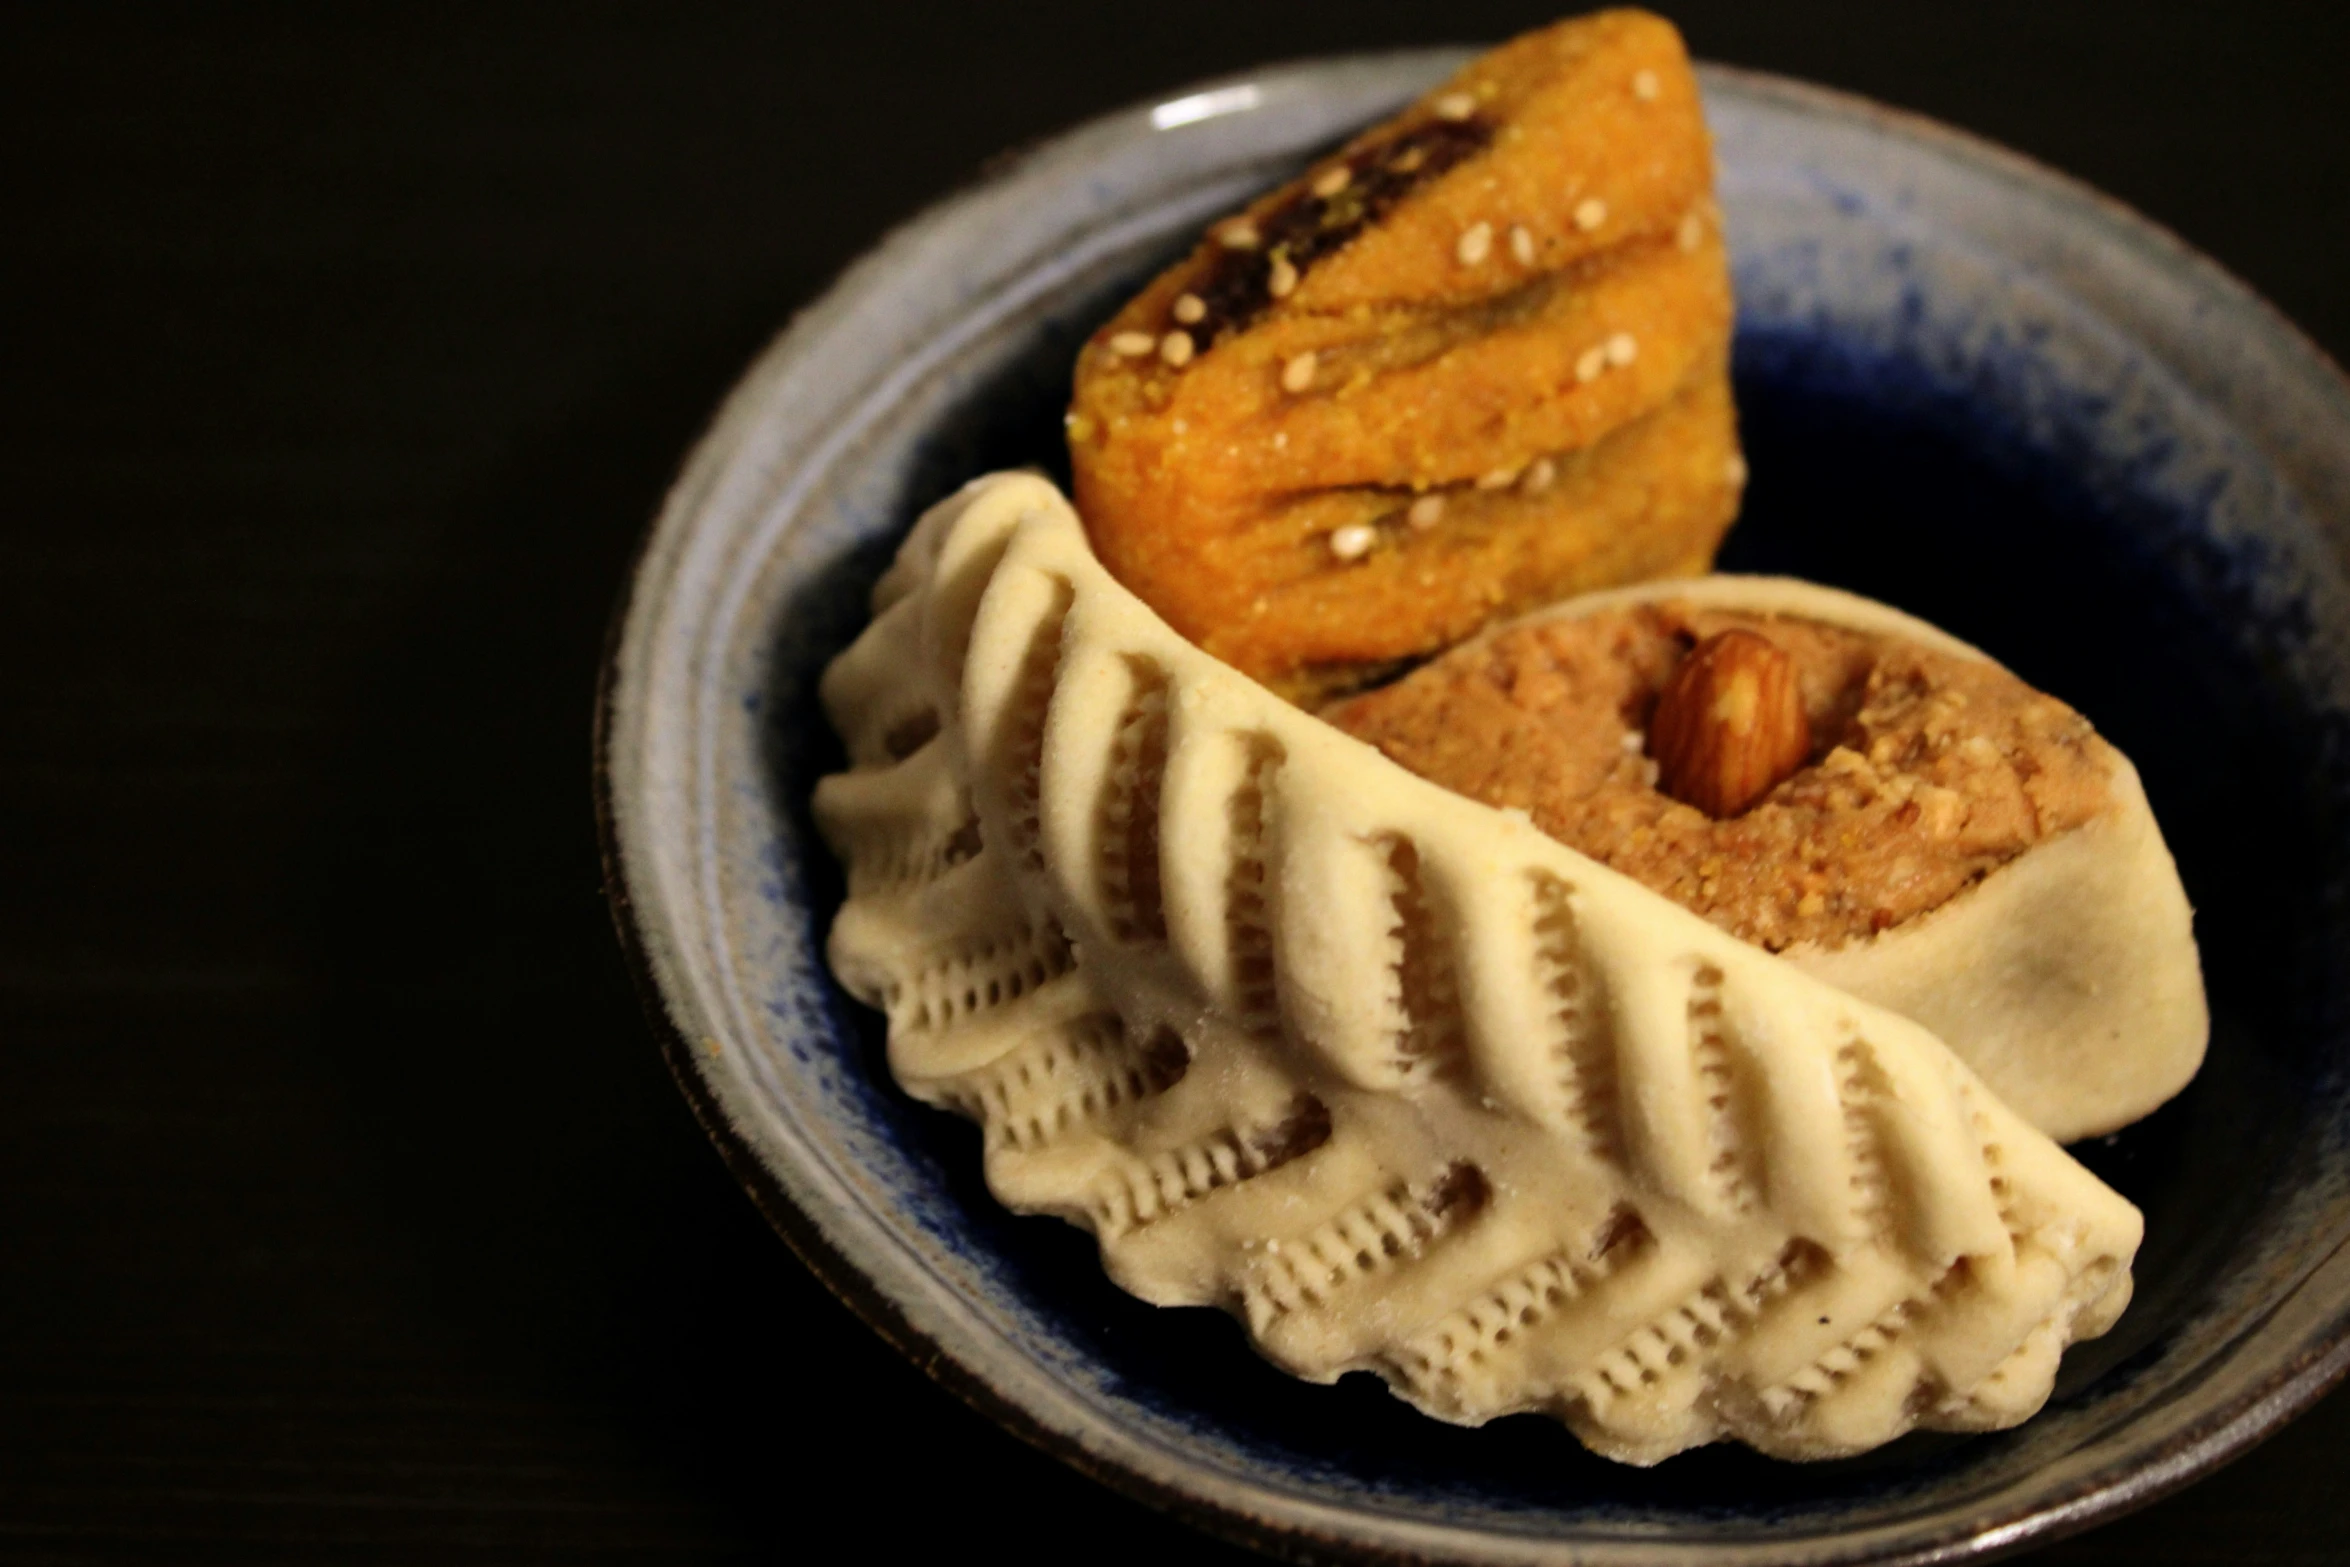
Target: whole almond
(1729, 724)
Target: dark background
(346, 1209)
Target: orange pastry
(1475, 361)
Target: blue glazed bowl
(1967, 386)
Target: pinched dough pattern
(1403, 1083)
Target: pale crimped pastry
(1402, 1082)
(2067, 978)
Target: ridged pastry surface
(1399, 1080)
(1472, 362)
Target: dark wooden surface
(346, 1210)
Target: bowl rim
(2233, 1428)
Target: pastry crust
(2068, 978)
(1400, 1081)
(1473, 362)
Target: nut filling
(1926, 771)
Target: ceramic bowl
(1968, 386)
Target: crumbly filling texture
(1927, 771)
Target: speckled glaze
(1968, 387)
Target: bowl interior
(1964, 387)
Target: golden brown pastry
(1473, 362)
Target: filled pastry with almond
(1659, 1012)
(1474, 361)
(1851, 788)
